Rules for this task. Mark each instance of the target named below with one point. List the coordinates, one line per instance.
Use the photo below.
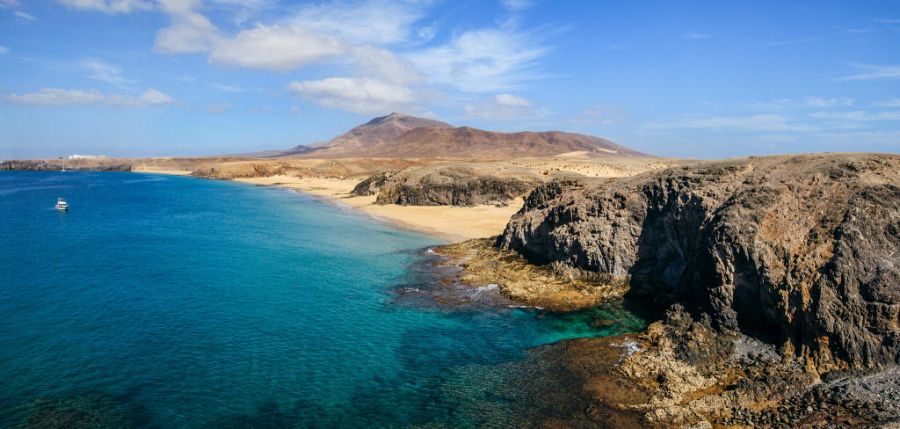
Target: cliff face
(458, 186)
(801, 251)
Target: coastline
(449, 223)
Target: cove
(174, 302)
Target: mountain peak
(393, 116)
(399, 135)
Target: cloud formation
(804, 103)
(190, 31)
(873, 72)
(486, 60)
(360, 37)
(281, 48)
(24, 15)
(361, 95)
(375, 50)
(752, 123)
(504, 107)
(60, 97)
(109, 6)
(104, 72)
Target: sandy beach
(448, 222)
(334, 180)
(159, 170)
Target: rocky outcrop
(457, 186)
(372, 185)
(802, 252)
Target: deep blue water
(177, 302)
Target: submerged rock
(89, 410)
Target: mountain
(467, 142)
(403, 136)
(374, 136)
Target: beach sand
(159, 170)
(448, 222)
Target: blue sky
(674, 78)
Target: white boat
(61, 204)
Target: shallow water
(177, 302)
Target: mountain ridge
(399, 135)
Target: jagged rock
(372, 184)
(458, 186)
(802, 251)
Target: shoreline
(450, 224)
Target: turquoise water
(175, 302)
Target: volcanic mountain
(403, 136)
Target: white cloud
(378, 22)
(386, 66)
(190, 32)
(314, 34)
(792, 42)
(873, 72)
(486, 60)
(23, 15)
(752, 123)
(804, 103)
(517, 5)
(277, 47)
(358, 37)
(361, 95)
(697, 36)
(894, 102)
(858, 116)
(229, 88)
(509, 100)
(104, 72)
(504, 107)
(58, 97)
(109, 6)
(3, 49)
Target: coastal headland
(775, 279)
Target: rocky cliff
(801, 251)
(458, 186)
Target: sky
(699, 79)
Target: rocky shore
(781, 277)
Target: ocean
(176, 302)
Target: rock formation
(458, 186)
(372, 184)
(801, 251)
